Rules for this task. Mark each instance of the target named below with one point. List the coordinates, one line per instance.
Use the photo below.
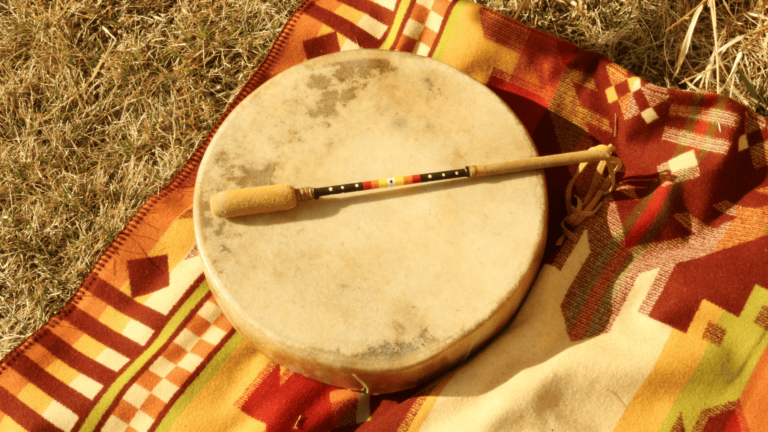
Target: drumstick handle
(594, 154)
(265, 199)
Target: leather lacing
(603, 183)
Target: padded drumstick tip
(265, 199)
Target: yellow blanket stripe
(450, 26)
(399, 21)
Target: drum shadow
(326, 207)
(513, 356)
(533, 356)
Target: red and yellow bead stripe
(391, 182)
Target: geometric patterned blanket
(656, 318)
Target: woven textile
(656, 318)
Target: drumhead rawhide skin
(380, 290)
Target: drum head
(376, 290)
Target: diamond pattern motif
(635, 97)
(148, 275)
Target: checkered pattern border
(422, 27)
(153, 390)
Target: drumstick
(265, 199)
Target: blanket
(653, 315)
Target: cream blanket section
(533, 377)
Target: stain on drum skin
(342, 85)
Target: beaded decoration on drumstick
(265, 199)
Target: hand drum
(381, 290)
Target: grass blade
(750, 88)
(686, 45)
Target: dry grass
(100, 104)
(102, 101)
(648, 38)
